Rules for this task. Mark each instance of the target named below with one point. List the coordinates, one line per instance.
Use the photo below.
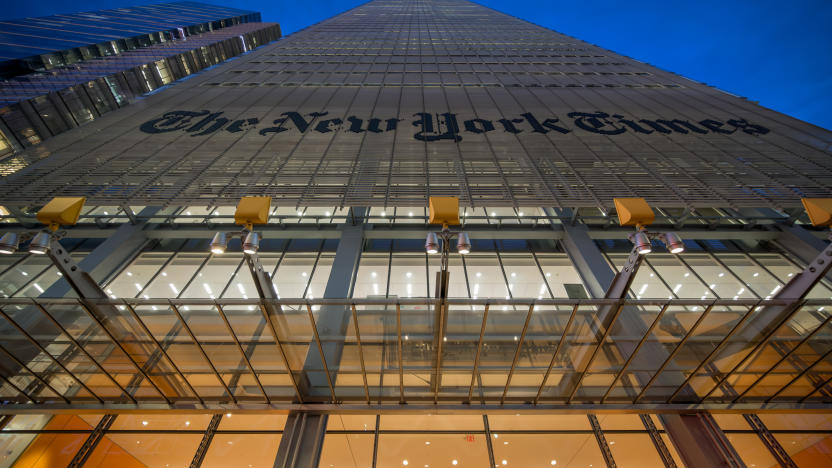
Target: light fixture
(432, 243)
(673, 242)
(40, 243)
(219, 243)
(252, 243)
(9, 243)
(463, 244)
(642, 242)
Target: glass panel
(752, 450)
(243, 450)
(347, 450)
(634, 450)
(160, 422)
(463, 450)
(249, 422)
(422, 422)
(521, 422)
(137, 450)
(538, 450)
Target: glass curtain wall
(354, 441)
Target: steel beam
(303, 436)
(420, 407)
(302, 440)
(696, 437)
(601, 281)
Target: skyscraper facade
(569, 326)
(65, 70)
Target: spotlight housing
(9, 243)
(642, 242)
(251, 243)
(463, 243)
(673, 242)
(40, 243)
(219, 243)
(432, 243)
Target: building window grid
(19, 432)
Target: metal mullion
(656, 438)
(312, 272)
(817, 388)
(673, 353)
(758, 263)
(121, 347)
(542, 274)
(603, 445)
(557, 351)
(517, 352)
(360, 352)
(231, 278)
(713, 352)
(321, 351)
(159, 270)
(635, 351)
(242, 351)
(784, 357)
(202, 351)
(502, 268)
(665, 283)
(801, 374)
(694, 273)
(730, 271)
(83, 350)
(36, 376)
(375, 440)
(756, 348)
(399, 351)
(273, 331)
(18, 389)
(44, 351)
(479, 350)
(595, 351)
(15, 263)
(162, 350)
(490, 444)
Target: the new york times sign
(444, 127)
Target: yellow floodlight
(633, 212)
(61, 210)
(444, 210)
(252, 210)
(819, 210)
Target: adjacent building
(338, 343)
(62, 71)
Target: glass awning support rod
(769, 319)
(271, 313)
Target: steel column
(601, 281)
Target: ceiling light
(252, 243)
(40, 243)
(463, 244)
(9, 243)
(219, 243)
(432, 243)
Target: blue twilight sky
(772, 51)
